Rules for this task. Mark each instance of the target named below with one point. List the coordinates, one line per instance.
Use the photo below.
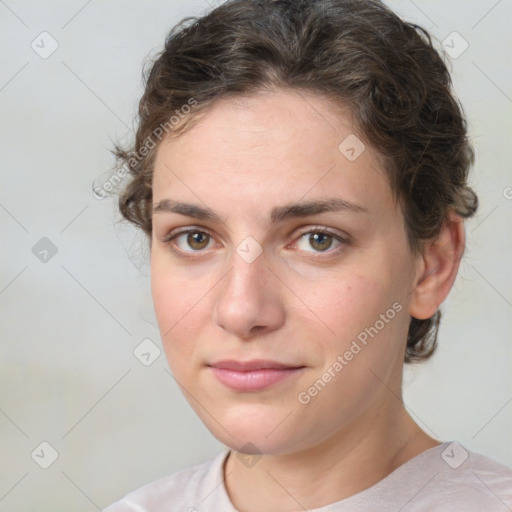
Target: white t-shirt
(444, 478)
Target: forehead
(273, 143)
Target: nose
(249, 302)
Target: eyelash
(315, 230)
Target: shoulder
(485, 481)
(445, 477)
(457, 479)
(183, 490)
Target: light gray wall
(69, 324)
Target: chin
(254, 428)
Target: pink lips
(253, 375)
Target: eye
(317, 240)
(320, 241)
(191, 240)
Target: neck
(347, 463)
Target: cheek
(177, 289)
(345, 302)
(179, 304)
(362, 309)
(368, 330)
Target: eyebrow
(278, 214)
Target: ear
(437, 269)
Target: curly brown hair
(357, 52)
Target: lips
(254, 375)
(255, 364)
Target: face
(280, 271)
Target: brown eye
(191, 240)
(320, 241)
(198, 240)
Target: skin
(295, 303)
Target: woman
(300, 170)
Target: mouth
(255, 375)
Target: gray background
(69, 325)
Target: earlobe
(438, 269)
